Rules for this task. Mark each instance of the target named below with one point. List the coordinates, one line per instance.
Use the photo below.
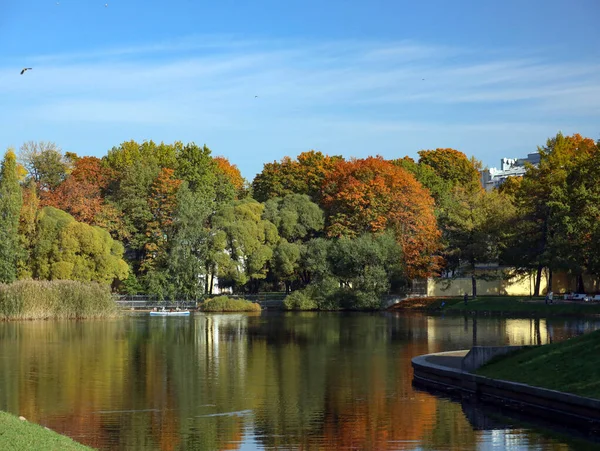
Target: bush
(327, 295)
(299, 300)
(60, 299)
(226, 304)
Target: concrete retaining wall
(552, 405)
(480, 355)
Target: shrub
(61, 299)
(299, 300)
(226, 304)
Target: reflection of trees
(120, 384)
(311, 380)
(342, 384)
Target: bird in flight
(24, 69)
(255, 97)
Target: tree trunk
(538, 280)
(580, 284)
(474, 286)
(549, 281)
(212, 283)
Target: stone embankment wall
(446, 371)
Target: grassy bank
(61, 299)
(18, 435)
(517, 305)
(226, 304)
(571, 366)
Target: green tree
(162, 155)
(10, 208)
(27, 229)
(45, 163)
(286, 260)
(67, 249)
(297, 220)
(248, 243)
(440, 189)
(365, 267)
(131, 198)
(296, 217)
(196, 166)
(543, 232)
(189, 254)
(475, 230)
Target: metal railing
(148, 302)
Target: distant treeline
(171, 219)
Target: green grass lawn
(20, 435)
(571, 366)
(502, 304)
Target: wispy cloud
(157, 80)
(343, 86)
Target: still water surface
(262, 381)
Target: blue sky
(354, 78)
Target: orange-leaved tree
(231, 173)
(374, 195)
(304, 175)
(162, 203)
(81, 193)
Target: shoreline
(446, 371)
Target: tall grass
(60, 299)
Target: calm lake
(326, 381)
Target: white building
(509, 167)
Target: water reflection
(270, 381)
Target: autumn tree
(452, 165)
(229, 178)
(374, 195)
(162, 204)
(10, 207)
(304, 175)
(81, 194)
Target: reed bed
(57, 299)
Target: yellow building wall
(516, 286)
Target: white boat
(168, 313)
